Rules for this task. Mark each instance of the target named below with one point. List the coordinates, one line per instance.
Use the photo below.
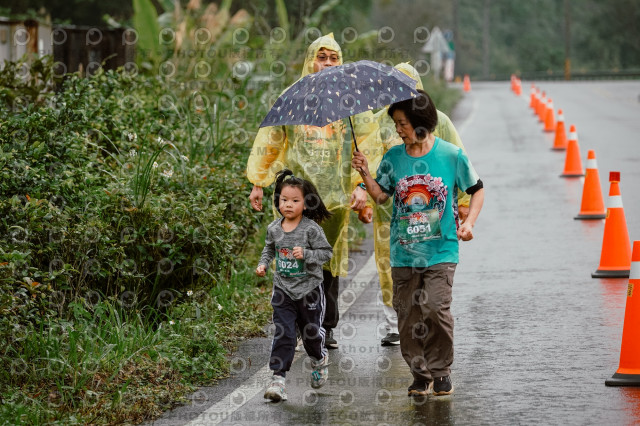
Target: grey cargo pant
(422, 299)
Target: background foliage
(123, 231)
(524, 36)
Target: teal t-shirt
(423, 224)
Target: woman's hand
(359, 162)
(256, 198)
(465, 232)
(261, 270)
(475, 205)
(358, 199)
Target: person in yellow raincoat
(446, 131)
(321, 155)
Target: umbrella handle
(355, 143)
(353, 134)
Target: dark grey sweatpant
(308, 313)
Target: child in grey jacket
(300, 248)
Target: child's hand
(298, 252)
(261, 270)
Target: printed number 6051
(418, 229)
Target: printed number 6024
(287, 264)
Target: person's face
(291, 202)
(404, 128)
(325, 58)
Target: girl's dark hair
(420, 111)
(314, 207)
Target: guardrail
(629, 74)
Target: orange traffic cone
(572, 162)
(615, 258)
(628, 373)
(466, 85)
(536, 102)
(542, 107)
(592, 203)
(560, 142)
(518, 87)
(533, 97)
(550, 118)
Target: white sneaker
(320, 372)
(276, 391)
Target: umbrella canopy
(340, 91)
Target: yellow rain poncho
(321, 155)
(382, 212)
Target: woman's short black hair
(314, 207)
(420, 111)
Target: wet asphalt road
(535, 335)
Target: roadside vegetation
(127, 245)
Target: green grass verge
(108, 365)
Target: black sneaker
(442, 386)
(329, 341)
(419, 388)
(391, 339)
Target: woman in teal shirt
(423, 176)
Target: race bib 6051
(419, 226)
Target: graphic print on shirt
(287, 265)
(420, 202)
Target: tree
(77, 12)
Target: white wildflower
(131, 136)
(172, 322)
(184, 158)
(155, 165)
(219, 307)
(133, 153)
(167, 173)
(189, 293)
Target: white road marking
(461, 128)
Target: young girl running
(300, 248)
